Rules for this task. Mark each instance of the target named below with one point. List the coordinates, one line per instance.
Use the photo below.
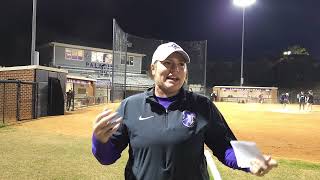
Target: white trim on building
(33, 67)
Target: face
(169, 75)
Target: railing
(88, 101)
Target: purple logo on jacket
(188, 118)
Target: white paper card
(245, 152)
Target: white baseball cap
(164, 50)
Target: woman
(166, 127)
(309, 100)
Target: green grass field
(33, 151)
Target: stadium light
(243, 4)
(287, 53)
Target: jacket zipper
(166, 119)
(166, 114)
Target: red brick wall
(26, 101)
(8, 106)
(26, 75)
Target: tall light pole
(33, 35)
(243, 4)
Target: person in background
(302, 100)
(213, 96)
(260, 98)
(167, 128)
(69, 98)
(72, 94)
(309, 100)
(284, 100)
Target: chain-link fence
(132, 57)
(17, 101)
(119, 65)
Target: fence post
(18, 100)
(34, 100)
(4, 101)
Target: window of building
(82, 91)
(74, 54)
(107, 58)
(129, 60)
(101, 57)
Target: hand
(105, 125)
(261, 167)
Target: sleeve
(218, 137)
(107, 153)
(218, 134)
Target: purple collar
(165, 102)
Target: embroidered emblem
(144, 118)
(188, 118)
(175, 46)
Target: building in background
(96, 64)
(246, 94)
(28, 92)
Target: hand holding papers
(245, 152)
(249, 156)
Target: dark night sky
(270, 25)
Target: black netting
(129, 78)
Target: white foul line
(212, 166)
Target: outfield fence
(17, 101)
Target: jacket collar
(182, 95)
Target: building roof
(80, 78)
(245, 87)
(15, 68)
(92, 48)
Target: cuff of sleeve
(105, 153)
(246, 170)
(231, 160)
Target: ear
(152, 68)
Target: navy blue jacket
(168, 144)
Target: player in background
(302, 100)
(309, 100)
(213, 96)
(284, 100)
(260, 98)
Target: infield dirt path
(289, 133)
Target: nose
(175, 67)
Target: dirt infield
(284, 133)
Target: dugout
(246, 94)
(29, 92)
(84, 90)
